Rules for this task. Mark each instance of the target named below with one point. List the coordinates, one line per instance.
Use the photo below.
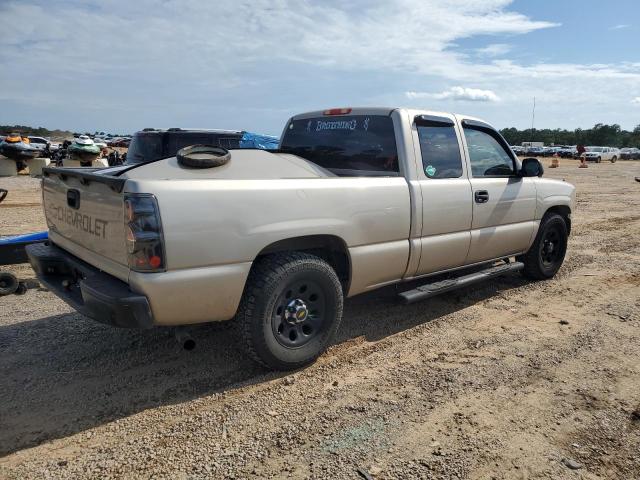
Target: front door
(504, 204)
(446, 194)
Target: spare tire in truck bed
(203, 156)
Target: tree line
(599, 135)
(33, 131)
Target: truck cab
(470, 201)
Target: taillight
(337, 111)
(143, 233)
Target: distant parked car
(597, 154)
(535, 151)
(568, 152)
(39, 143)
(119, 142)
(518, 150)
(550, 151)
(630, 154)
(100, 142)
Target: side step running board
(432, 289)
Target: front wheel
(290, 310)
(598, 160)
(545, 257)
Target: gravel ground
(506, 380)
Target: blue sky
(118, 65)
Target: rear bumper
(91, 292)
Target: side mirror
(531, 167)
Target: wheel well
(330, 248)
(564, 212)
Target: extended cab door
(504, 204)
(446, 193)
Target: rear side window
(144, 147)
(440, 151)
(356, 145)
(487, 156)
(229, 142)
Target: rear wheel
(545, 257)
(614, 159)
(291, 309)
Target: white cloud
(458, 94)
(169, 62)
(620, 27)
(636, 101)
(494, 50)
(190, 40)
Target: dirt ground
(506, 380)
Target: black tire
(545, 257)
(279, 288)
(598, 160)
(8, 283)
(203, 156)
(614, 159)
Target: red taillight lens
(337, 111)
(143, 233)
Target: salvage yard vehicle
(16, 147)
(517, 150)
(39, 143)
(153, 144)
(535, 151)
(353, 200)
(630, 153)
(568, 152)
(597, 154)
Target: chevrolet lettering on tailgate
(77, 220)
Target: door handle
(481, 196)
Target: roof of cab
(385, 111)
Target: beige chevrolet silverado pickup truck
(354, 199)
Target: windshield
(594, 149)
(355, 145)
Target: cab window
(487, 155)
(352, 146)
(440, 151)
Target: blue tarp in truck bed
(255, 140)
